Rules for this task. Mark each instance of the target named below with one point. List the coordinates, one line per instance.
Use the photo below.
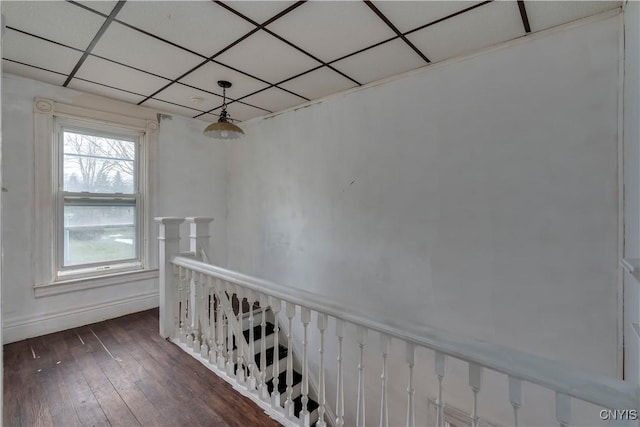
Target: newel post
(169, 247)
(199, 236)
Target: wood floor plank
(118, 372)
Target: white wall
(180, 192)
(632, 185)
(479, 196)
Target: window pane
(97, 164)
(94, 234)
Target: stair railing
(619, 400)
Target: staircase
(209, 324)
(282, 354)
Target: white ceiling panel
(319, 83)
(166, 107)
(202, 27)
(32, 73)
(105, 72)
(97, 89)
(208, 118)
(407, 15)
(548, 14)
(259, 11)
(100, 5)
(133, 48)
(266, 57)
(330, 30)
(33, 51)
(242, 112)
(482, 27)
(207, 76)
(55, 20)
(273, 99)
(383, 61)
(189, 97)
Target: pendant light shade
(223, 128)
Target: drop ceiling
(168, 55)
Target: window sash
(67, 198)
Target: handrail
(598, 389)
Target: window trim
(62, 124)
(47, 274)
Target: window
(98, 201)
(94, 184)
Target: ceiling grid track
(523, 15)
(226, 48)
(95, 40)
(395, 30)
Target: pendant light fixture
(223, 128)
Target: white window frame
(49, 275)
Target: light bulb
(224, 134)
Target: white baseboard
(20, 329)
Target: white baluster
(212, 320)
(183, 305)
(385, 341)
(440, 368)
(515, 397)
(204, 316)
(411, 359)
(322, 326)
(288, 404)
(251, 381)
(362, 340)
(229, 288)
(340, 381)
(563, 409)
(197, 312)
(189, 307)
(305, 315)
(475, 382)
(263, 390)
(178, 305)
(240, 338)
(220, 324)
(275, 394)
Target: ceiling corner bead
(631, 266)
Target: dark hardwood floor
(120, 373)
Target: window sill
(82, 284)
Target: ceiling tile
(330, 30)
(383, 61)
(407, 15)
(273, 99)
(267, 57)
(200, 26)
(259, 11)
(101, 71)
(318, 83)
(548, 14)
(55, 20)
(33, 51)
(485, 26)
(183, 95)
(170, 108)
(208, 118)
(32, 73)
(97, 89)
(133, 48)
(101, 6)
(242, 112)
(206, 78)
